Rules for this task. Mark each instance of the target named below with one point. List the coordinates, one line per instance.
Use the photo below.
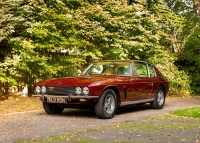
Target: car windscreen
(108, 68)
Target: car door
(141, 83)
(154, 84)
(124, 77)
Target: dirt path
(37, 124)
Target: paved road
(37, 124)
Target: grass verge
(189, 112)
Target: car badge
(51, 88)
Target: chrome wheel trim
(160, 98)
(109, 104)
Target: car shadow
(132, 108)
(90, 113)
(68, 112)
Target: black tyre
(159, 100)
(51, 108)
(107, 104)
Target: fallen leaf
(117, 125)
(67, 139)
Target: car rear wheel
(51, 108)
(159, 100)
(106, 106)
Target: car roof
(122, 61)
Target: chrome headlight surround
(78, 90)
(37, 89)
(86, 90)
(43, 89)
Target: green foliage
(179, 80)
(190, 58)
(188, 40)
(37, 34)
(190, 112)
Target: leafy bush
(35, 34)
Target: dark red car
(105, 86)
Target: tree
(188, 57)
(34, 33)
(96, 29)
(141, 30)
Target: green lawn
(189, 112)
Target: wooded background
(42, 39)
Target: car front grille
(60, 90)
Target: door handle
(150, 84)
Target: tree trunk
(196, 7)
(199, 8)
(175, 43)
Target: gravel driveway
(37, 124)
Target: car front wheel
(159, 100)
(106, 106)
(51, 108)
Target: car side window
(140, 70)
(151, 71)
(124, 70)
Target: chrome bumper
(69, 97)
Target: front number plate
(56, 99)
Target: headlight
(86, 90)
(37, 89)
(43, 89)
(78, 90)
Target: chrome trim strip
(36, 95)
(68, 96)
(137, 101)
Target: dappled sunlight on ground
(17, 103)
